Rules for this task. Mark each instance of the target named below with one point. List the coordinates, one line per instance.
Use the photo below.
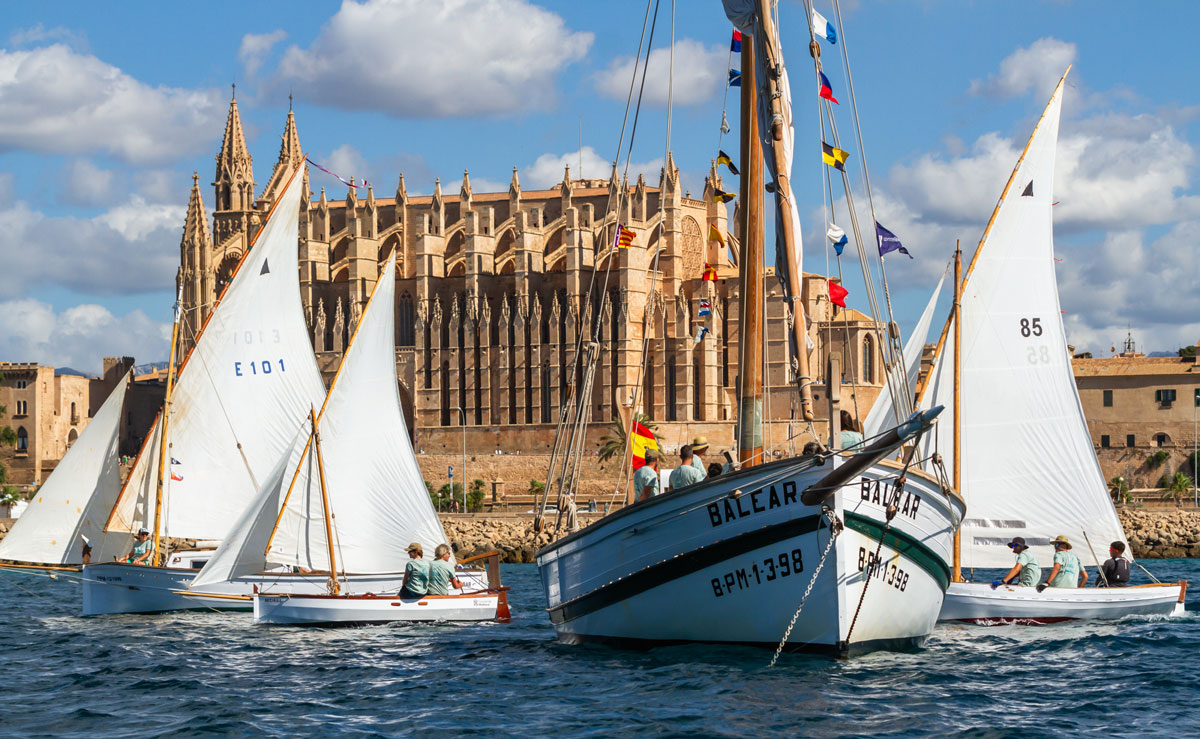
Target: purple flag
(888, 241)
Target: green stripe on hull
(906, 545)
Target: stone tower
(196, 274)
(234, 217)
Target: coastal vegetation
(613, 441)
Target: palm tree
(1176, 487)
(1118, 488)
(614, 441)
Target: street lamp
(462, 415)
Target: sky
(107, 109)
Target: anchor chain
(835, 527)
(892, 509)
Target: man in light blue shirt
(699, 449)
(1067, 567)
(686, 473)
(645, 480)
(1026, 572)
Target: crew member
(686, 473)
(441, 572)
(140, 554)
(1116, 569)
(699, 449)
(1067, 569)
(416, 573)
(1026, 572)
(645, 480)
(851, 432)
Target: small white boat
(979, 603)
(483, 598)
(1023, 458)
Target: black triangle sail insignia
(265, 270)
(1028, 190)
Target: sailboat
(1022, 456)
(844, 552)
(249, 379)
(349, 500)
(68, 512)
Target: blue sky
(105, 111)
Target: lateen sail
(882, 415)
(241, 393)
(1028, 467)
(75, 500)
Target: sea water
(217, 673)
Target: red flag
(624, 237)
(710, 272)
(643, 439)
(837, 294)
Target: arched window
(406, 322)
(22, 439)
(71, 437)
(672, 391)
(74, 414)
(868, 358)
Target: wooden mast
(958, 402)
(159, 555)
(783, 191)
(750, 348)
(316, 436)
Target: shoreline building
(494, 290)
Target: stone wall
(1157, 534)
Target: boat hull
(356, 610)
(728, 562)
(115, 587)
(979, 603)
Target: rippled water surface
(217, 673)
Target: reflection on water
(139, 676)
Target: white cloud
(700, 73)
(435, 58)
(1035, 68)
(255, 47)
(38, 33)
(547, 170)
(88, 185)
(54, 100)
(78, 337)
(130, 249)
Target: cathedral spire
(464, 193)
(234, 180)
(290, 155)
(195, 226)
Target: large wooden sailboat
(1022, 455)
(249, 380)
(67, 515)
(841, 552)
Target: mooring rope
(835, 526)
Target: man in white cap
(140, 554)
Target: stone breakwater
(1157, 534)
(514, 537)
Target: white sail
(74, 502)
(882, 415)
(1028, 467)
(247, 384)
(243, 551)
(375, 489)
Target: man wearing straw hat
(1067, 568)
(699, 447)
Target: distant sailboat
(70, 508)
(1027, 465)
(249, 380)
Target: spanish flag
(723, 158)
(719, 196)
(710, 272)
(643, 439)
(834, 156)
(714, 234)
(624, 237)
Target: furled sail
(882, 415)
(241, 393)
(1028, 467)
(73, 504)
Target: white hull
(347, 610)
(700, 565)
(979, 603)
